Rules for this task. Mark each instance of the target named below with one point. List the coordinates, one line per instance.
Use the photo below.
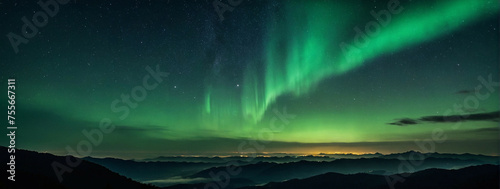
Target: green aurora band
(298, 58)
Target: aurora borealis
(311, 53)
(344, 84)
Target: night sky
(410, 76)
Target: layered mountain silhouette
(418, 170)
(286, 158)
(143, 171)
(34, 170)
(264, 172)
(482, 176)
(267, 158)
(414, 155)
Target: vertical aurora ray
(303, 47)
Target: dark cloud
(465, 91)
(466, 117)
(487, 130)
(404, 122)
(489, 116)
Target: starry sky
(350, 81)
